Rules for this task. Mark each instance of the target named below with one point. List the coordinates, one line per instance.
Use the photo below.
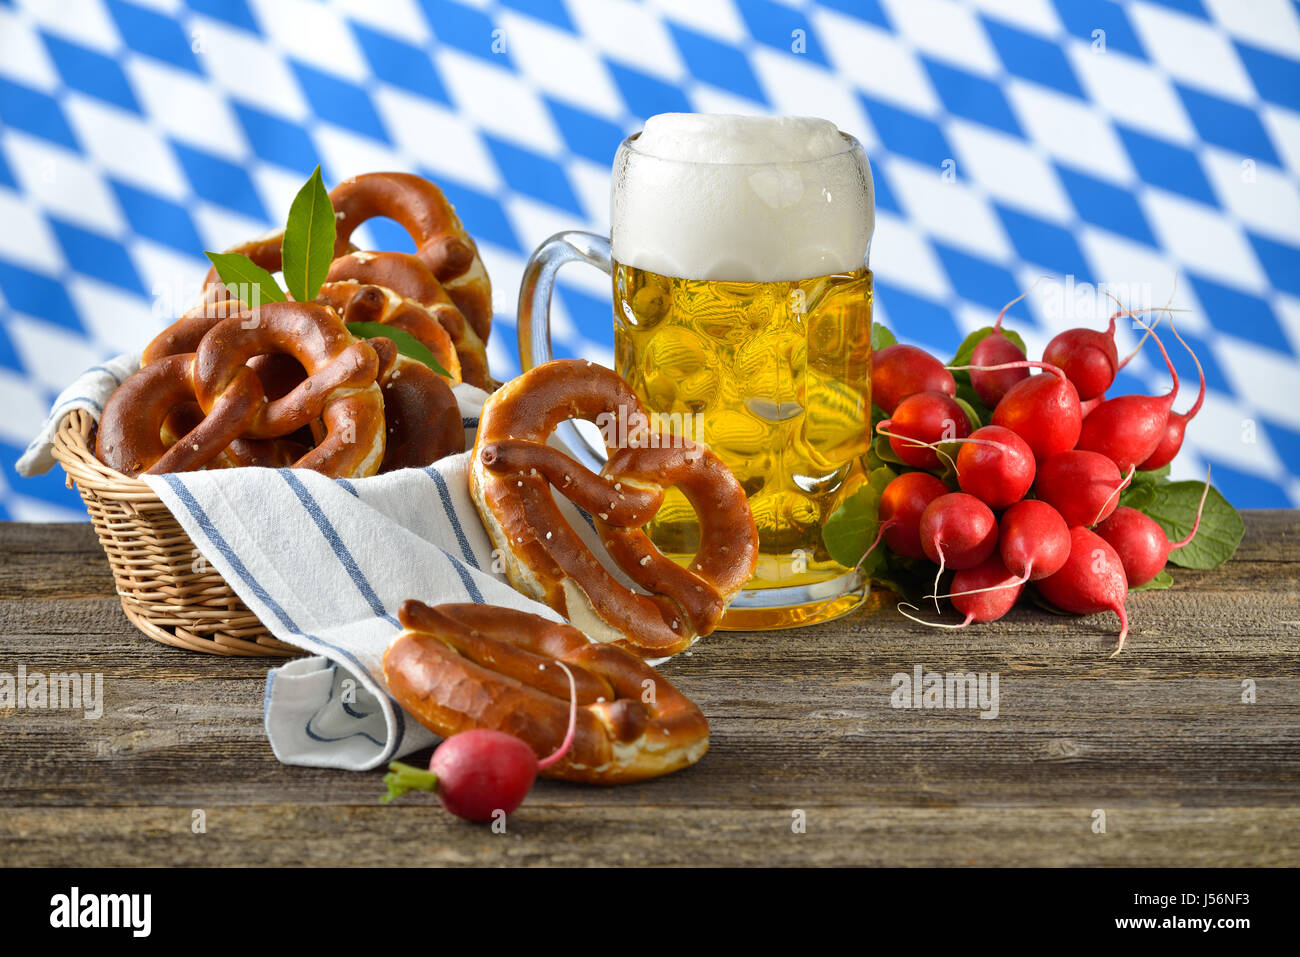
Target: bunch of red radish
(1040, 484)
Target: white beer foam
(742, 198)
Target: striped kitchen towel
(325, 564)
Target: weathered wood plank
(1158, 737)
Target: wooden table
(1158, 740)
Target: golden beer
(775, 378)
(742, 318)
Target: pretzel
(410, 278)
(421, 415)
(441, 242)
(358, 302)
(459, 667)
(512, 472)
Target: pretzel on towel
(460, 667)
(513, 471)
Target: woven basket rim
(72, 449)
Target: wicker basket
(167, 590)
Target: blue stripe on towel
(222, 546)
(444, 493)
(336, 543)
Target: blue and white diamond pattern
(1139, 143)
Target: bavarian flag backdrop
(1123, 146)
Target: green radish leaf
(971, 413)
(1174, 509)
(966, 393)
(851, 528)
(246, 279)
(1161, 582)
(308, 245)
(1152, 477)
(1140, 497)
(881, 337)
(885, 452)
(967, 349)
(406, 343)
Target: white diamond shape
(247, 67)
(437, 138)
(1193, 51)
(187, 107)
(562, 65)
(609, 23)
(1131, 90)
(1009, 169)
(498, 101)
(946, 31)
(878, 62)
(1073, 132)
(126, 146)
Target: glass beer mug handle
(534, 321)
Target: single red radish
(995, 465)
(1141, 544)
(898, 371)
(1091, 580)
(901, 505)
(1033, 540)
(1172, 441)
(480, 773)
(1128, 428)
(919, 422)
(986, 592)
(1088, 358)
(1043, 410)
(957, 531)
(1083, 486)
(996, 349)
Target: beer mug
(742, 319)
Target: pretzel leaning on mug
(513, 470)
(459, 667)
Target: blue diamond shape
(1215, 380)
(774, 25)
(1235, 128)
(907, 134)
(1033, 58)
(401, 64)
(972, 97)
(158, 219)
(1287, 443)
(1276, 78)
(593, 317)
(154, 34)
(482, 215)
(26, 109)
(277, 140)
(716, 63)
(1082, 17)
(92, 73)
(1168, 166)
(552, 11)
(220, 182)
(40, 296)
(1239, 314)
(1280, 261)
(1106, 206)
(458, 26)
(645, 95)
(8, 356)
(983, 282)
(884, 195)
(95, 255)
(1044, 243)
(233, 12)
(918, 320)
(50, 487)
(340, 102)
(587, 135)
(866, 10)
(1245, 490)
(534, 175)
(6, 174)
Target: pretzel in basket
(340, 390)
(513, 471)
(460, 667)
(411, 279)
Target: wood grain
(1159, 739)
